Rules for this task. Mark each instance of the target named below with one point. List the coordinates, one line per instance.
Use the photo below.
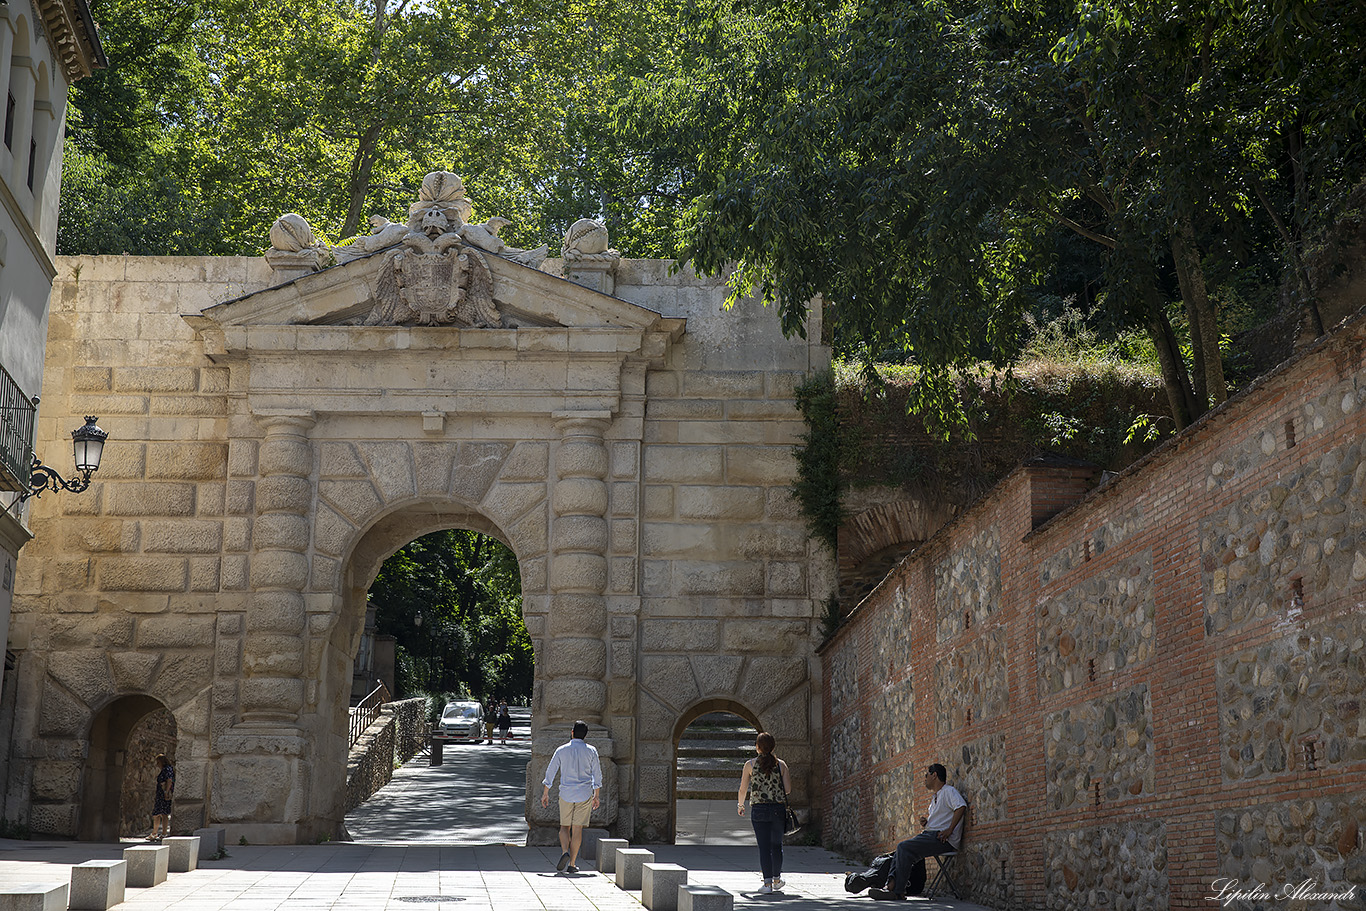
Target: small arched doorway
(125, 738)
(711, 743)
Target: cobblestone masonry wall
(967, 585)
(1307, 530)
(1102, 625)
(1157, 690)
(1319, 838)
(1123, 868)
(1294, 702)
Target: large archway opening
(711, 743)
(125, 738)
(444, 627)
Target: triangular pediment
(346, 294)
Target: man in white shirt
(580, 773)
(943, 823)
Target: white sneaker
(778, 884)
(765, 888)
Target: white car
(462, 721)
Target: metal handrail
(366, 711)
(18, 415)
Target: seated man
(943, 833)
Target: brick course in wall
(1143, 690)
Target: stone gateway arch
(278, 429)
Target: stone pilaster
(273, 659)
(575, 663)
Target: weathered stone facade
(267, 454)
(1166, 691)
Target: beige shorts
(575, 814)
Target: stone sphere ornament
(291, 233)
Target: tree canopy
(918, 166)
(217, 116)
(453, 601)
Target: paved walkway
(353, 877)
(448, 837)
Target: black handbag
(790, 824)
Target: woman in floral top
(766, 783)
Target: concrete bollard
(33, 897)
(588, 848)
(704, 898)
(659, 886)
(607, 853)
(147, 865)
(184, 853)
(629, 863)
(211, 841)
(98, 885)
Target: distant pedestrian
(490, 719)
(504, 720)
(161, 801)
(766, 782)
(580, 783)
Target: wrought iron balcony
(17, 415)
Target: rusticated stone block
(172, 536)
(175, 632)
(142, 574)
(187, 461)
(150, 499)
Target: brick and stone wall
(1153, 692)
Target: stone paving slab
(354, 877)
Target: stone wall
(397, 735)
(267, 452)
(1158, 690)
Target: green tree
(453, 601)
(913, 164)
(216, 116)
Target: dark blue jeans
(768, 820)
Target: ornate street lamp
(87, 444)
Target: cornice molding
(72, 35)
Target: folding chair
(944, 875)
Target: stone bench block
(147, 865)
(629, 864)
(98, 885)
(33, 897)
(588, 847)
(704, 898)
(659, 885)
(211, 842)
(184, 853)
(607, 853)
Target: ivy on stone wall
(819, 478)
(861, 433)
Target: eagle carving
(431, 281)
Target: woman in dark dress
(766, 783)
(161, 803)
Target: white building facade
(45, 46)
